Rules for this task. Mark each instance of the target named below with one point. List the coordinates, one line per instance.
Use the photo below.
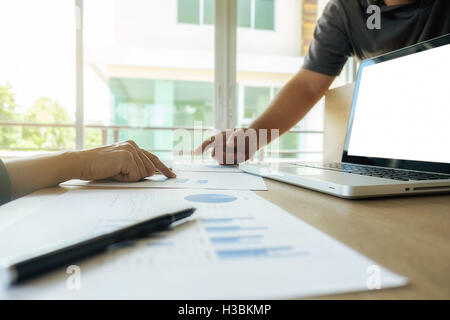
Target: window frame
(226, 107)
(225, 102)
(241, 103)
(225, 65)
(79, 91)
(201, 15)
(253, 19)
(252, 16)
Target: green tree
(92, 138)
(44, 110)
(48, 111)
(8, 113)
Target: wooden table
(409, 235)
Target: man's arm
(292, 103)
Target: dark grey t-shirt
(342, 31)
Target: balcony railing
(116, 129)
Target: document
(204, 167)
(187, 180)
(236, 246)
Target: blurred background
(81, 74)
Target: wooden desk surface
(410, 235)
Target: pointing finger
(160, 165)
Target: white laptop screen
(402, 108)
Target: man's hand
(123, 161)
(292, 103)
(231, 147)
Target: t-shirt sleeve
(5, 184)
(331, 46)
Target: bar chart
(224, 230)
(210, 198)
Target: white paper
(205, 167)
(186, 180)
(236, 246)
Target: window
(256, 14)
(303, 142)
(208, 11)
(244, 18)
(263, 69)
(196, 11)
(141, 103)
(264, 14)
(254, 100)
(145, 75)
(253, 14)
(37, 77)
(146, 72)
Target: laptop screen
(401, 109)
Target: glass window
(244, 13)
(146, 70)
(193, 101)
(208, 11)
(264, 14)
(255, 101)
(189, 11)
(37, 77)
(145, 74)
(142, 103)
(256, 14)
(265, 62)
(196, 11)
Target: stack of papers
(208, 167)
(189, 176)
(236, 246)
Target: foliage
(92, 138)
(8, 113)
(44, 110)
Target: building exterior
(151, 63)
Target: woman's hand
(123, 161)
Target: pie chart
(210, 198)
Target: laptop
(398, 135)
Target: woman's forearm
(124, 161)
(30, 174)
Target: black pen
(30, 268)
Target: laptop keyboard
(378, 172)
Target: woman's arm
(123, 161)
